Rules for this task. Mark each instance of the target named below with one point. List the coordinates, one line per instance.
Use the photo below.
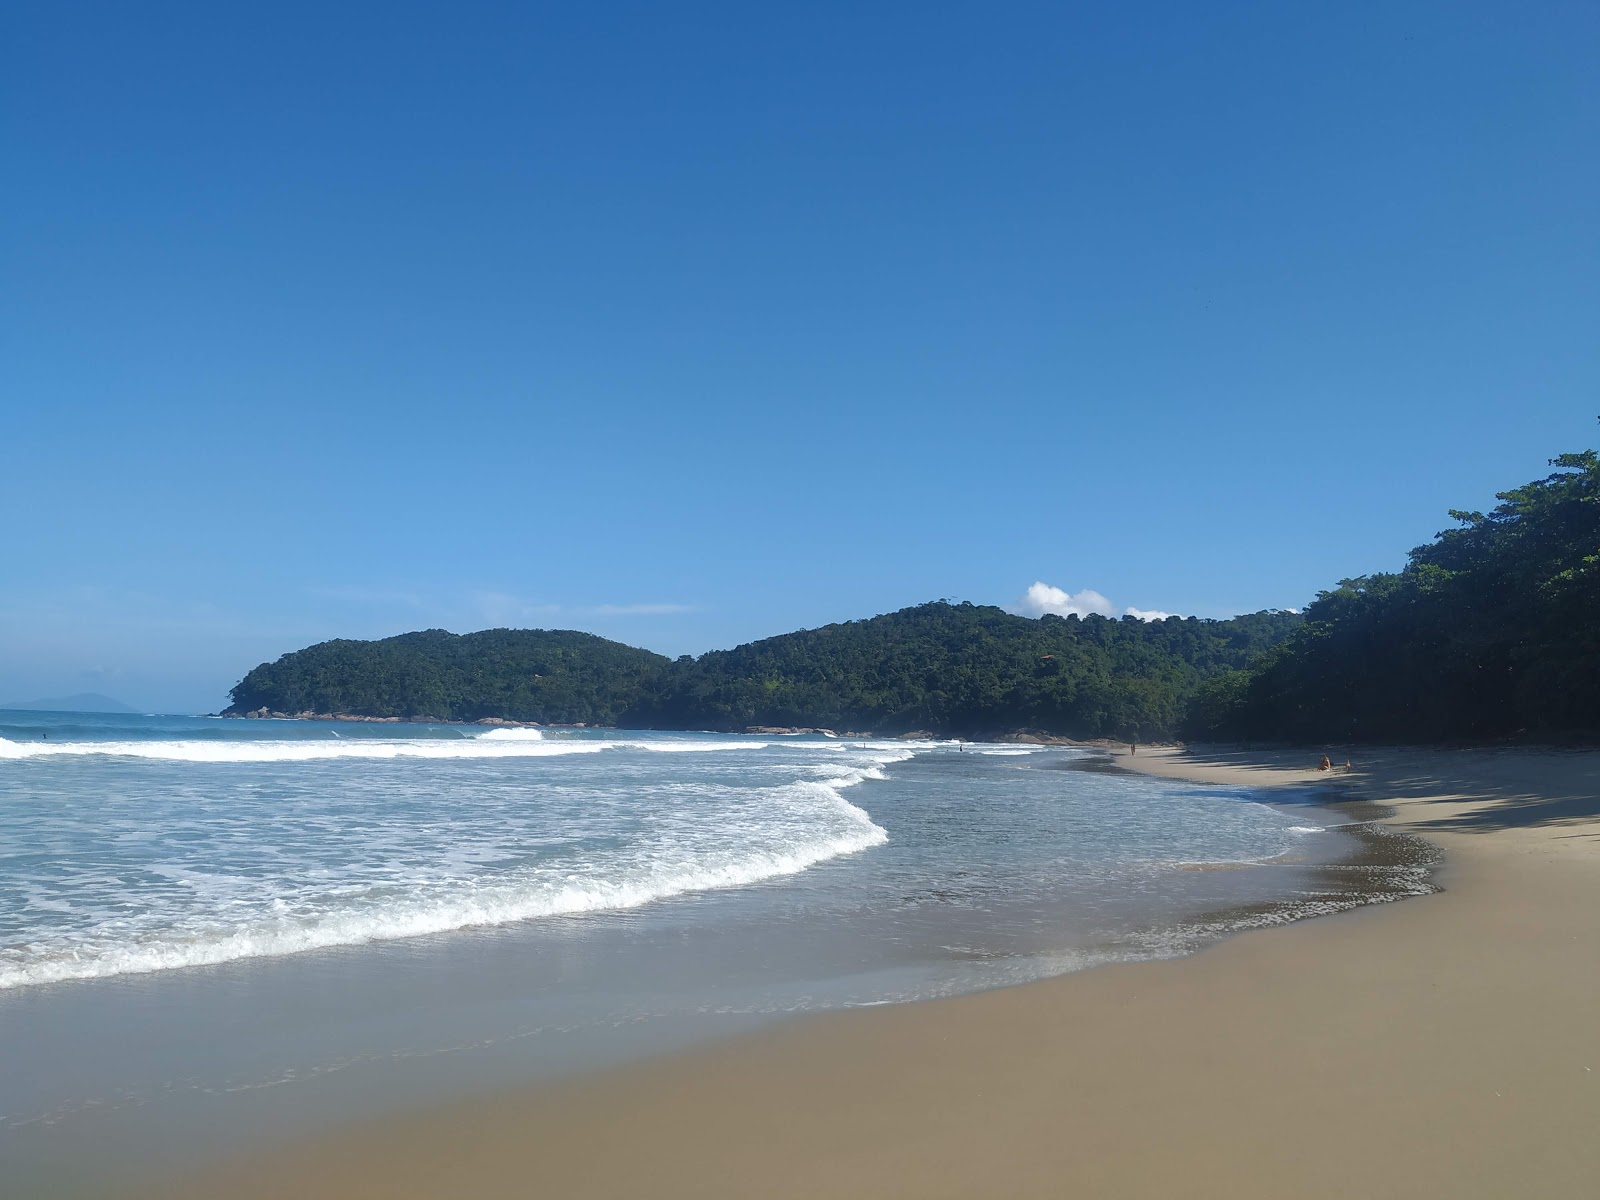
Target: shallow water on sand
(213, 932)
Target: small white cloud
(1041, 598)
(1148, 614)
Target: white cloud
(1041, 598)
(1148, 614)
(640, 610)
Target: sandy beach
(1442, 1046)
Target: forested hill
(543, 675)
(1492, 630)
(969, 670)
(956, 669)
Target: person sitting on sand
(1326, 764)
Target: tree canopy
(964, 669)
(1491, 630)
(541, 675)
(955, 669)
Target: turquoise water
(250, 928)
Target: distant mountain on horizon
(81, 702)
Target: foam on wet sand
(1445, 1046)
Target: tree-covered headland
(950, 669)
(542, 675)
(1491, 630)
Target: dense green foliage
(946, 668)
(967, 670)
(1491, 630)
(520, 674)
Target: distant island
(82, 702)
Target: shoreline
(1383, 866)
(1023, 736)
(1445, 1048)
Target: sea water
(347, 914)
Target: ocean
(254, 926)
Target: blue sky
(689, 324)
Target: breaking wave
(527, 743)
(397, 879)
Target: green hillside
(967, 670)
(955, 669)
(1492, 630)
(543, 675)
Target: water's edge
(1377, 865)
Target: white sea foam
(474, 908)
(137, 866)
(669, 747)
(302, 749)
(517, 743)
(205, 899)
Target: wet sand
(1445, 1045)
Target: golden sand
(1445, 1046)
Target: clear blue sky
(693, 323)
